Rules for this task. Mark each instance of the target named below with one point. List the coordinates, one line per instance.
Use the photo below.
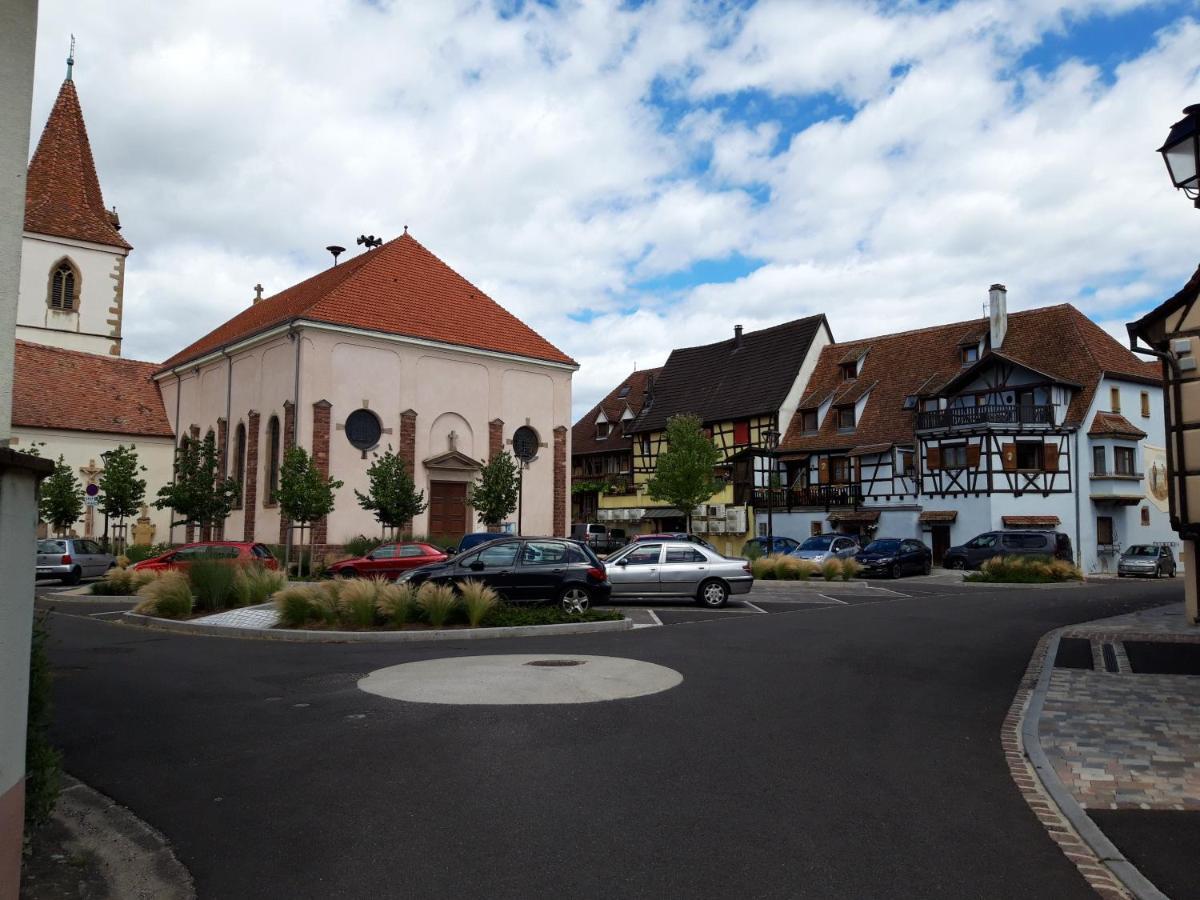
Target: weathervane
(71, 58)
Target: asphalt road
(841, 751)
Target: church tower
(72, 254)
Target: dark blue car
(776, 544)
(478, 537)
(893, 557)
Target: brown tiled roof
(1030, 521)
(728, 379)
(76, 391)
(1058, 340)
(583, 433)
(399, 288)
(1114, 425)
(937, 515)
(62, 192)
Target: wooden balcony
(1014, 414)
(825, 496)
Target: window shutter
(823, 470)
(1050, 457)
(972, 456)
(933, 458)
(855, 471)
(1008, 453)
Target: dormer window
(601, 430)
(64, 287)
(845, 418)
(910, 402)
(808, 421)
(849, 371)
(624, 392)
(970, 354)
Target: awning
(855, 517)
(1118, 499)
(1030, 521)
(937, 516)
(662, 512)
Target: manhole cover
(556, 662)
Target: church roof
(62, 192)
(75, 391)
(399, 288)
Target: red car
(235, 551)
(389, 560)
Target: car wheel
(575, 599)
(1157, 572)
(897, 570)
(348, 573)
(712, 594)
(1172, 572)
(957, 564)
(73, 578)
(927, 569)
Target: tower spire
(71, 59)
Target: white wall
(100, 295)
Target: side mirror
(622, 562)
(370, 555)
(476, 566)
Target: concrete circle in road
(520, 679)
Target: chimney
(998, 313)
(737, 337)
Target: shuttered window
(64, 285)
(1145, 404)
(1114, 395)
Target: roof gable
(400, 288)
(62, 192)
(627, 396)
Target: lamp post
(1169, 332)
(104, 458)
(771, 439)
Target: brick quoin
(289, 441)
(495, 437)
(320, 449)
(250, 488)
(408, 450)
(222, 471)
(189, 534)
(560, 481)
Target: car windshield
(817, 543)
(883, 547)
(1142, 550)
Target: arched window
(363, 429)
(239, 461)
(272, 459)
(64, 286)
(525, 444)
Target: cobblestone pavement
(1120, 740)
(264, 616)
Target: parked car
(983, 547)
(245, 552)
(476, 538)
(895, 557)
(389, 560)
(821, 547)
(600, 538)
(70, 559)
(766, 546)
(675, 536)
(675, 568)
(1153, 560)
(526, 570)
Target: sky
(630, 177)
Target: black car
(895, 557)
(526, 570)
(975, 552)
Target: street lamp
(104, 458)
(1181, 153)
(771, 439)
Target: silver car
(1151, 560)
(677, 569)
(70, 559)
(821, 547)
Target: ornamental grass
(763, 568)
(122, 582)
(397, 603)
(477, 599)
(831, 568)
(437, 602)
(298, 605)
(356, 602)
(850, 569)
(213, 583)
(1026, 570)
(259, 583)
(169, 595)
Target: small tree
(122, 492)
(683, 476)
(199, 495)
(392, 496)
(494, 495)
(61, 499)
(304, 494)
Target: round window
(525, 443)
(363, 429)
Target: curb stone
(341, 637)
(1098, 860)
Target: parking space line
(887, 590)
(111, 612)
(655, 617)
(833, 599)
(755, 608)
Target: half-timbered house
(740, 389)
(1021, 420)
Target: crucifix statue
(452, 440)
(91, 472)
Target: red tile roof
(62, 192)
(1114, 425)
(399, 288)
(583, 434)
(74, 391)
(1057, 340)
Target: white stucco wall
(100, 289)
(450, 389)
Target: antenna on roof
(370, 240)
(71, 58)
(335, 250)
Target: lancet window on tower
(64, 286)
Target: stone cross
(452, 440)
(91, 472)
(258, 289)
